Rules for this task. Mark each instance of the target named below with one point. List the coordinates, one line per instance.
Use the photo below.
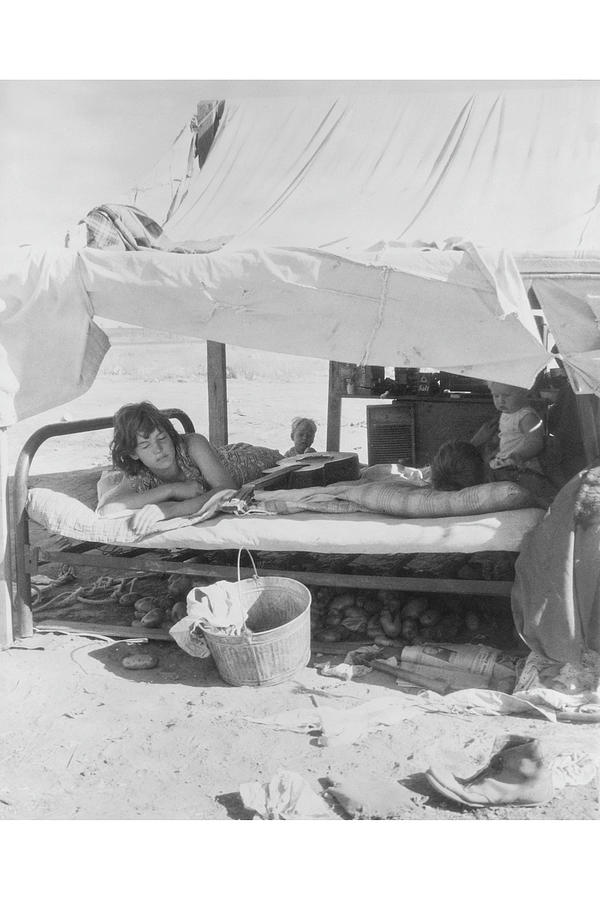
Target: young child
(520, 432)
(303, 434)
(459, 464)
(456, 465)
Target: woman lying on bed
(164, 474)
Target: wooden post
(334, 407)
(6, 625)
(216, 380)
(588, 408)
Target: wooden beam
(117, 631)
(216, 380)
(334, 406)
(588, 408)
(6, 623)
(462, 586)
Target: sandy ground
(85, 738)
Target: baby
(520, 431)
(303, 434)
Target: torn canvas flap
(50, 348)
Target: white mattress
(357, 532)
(354, 533)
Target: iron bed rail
(185, 562)
(22, 601)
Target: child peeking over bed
(303, 434)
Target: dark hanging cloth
(556, 594)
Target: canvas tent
(396, 225)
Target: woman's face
(155, 450)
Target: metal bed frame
(28, 558)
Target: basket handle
(245, 550)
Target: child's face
(508, 398)
(303, 438)
(155, 450)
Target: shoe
(516, 775)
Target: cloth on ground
(347, 726)
(371, 798)
(286, 796)
(568, 687)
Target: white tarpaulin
(503, 165)
(318, 197)
(457, 310)
(50, 348)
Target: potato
(139, 660)
(448, 627)
(342, 601)
(373, 626)
(410, 629)
(391, 625)
(178, 586)
(153, 618)
(329, 635)
(414, 608)
(371, 605)
(179, 611)
(385, 597)
(384, 641)
(472, 622)
(354, 620)
(334, 617)
(430, 617)
(428, 634)
(145, 604)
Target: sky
(67, 146)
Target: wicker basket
(277, 643)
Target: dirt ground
(85, 738)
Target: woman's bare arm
(123, 498)
(213, 471)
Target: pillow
(61, 514)
(80, 484)
(427, 503)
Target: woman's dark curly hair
(456, 465)
(129, 422)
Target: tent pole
(334, 407)
(588, 408)
(216, 382)
(6, 624)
